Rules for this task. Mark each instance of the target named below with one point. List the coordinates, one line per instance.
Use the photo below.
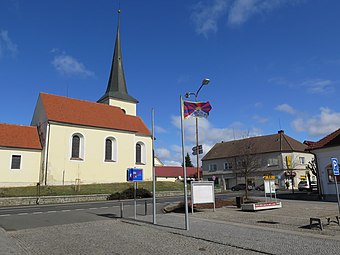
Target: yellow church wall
(129, 108)
(92, 168)
(27, 175)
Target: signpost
(202, 192)
(335, 166)
(135, 175)
(200, 150)
(269, 186)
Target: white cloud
(172, 163)
(68, 65)
(206, 15)
(313, 86)
(259, 119)
(318, 86)
(208, 137)
(322, 124)
(242, 10)
(6, 45)
(159, 130)
(163, 153)
(285, 108)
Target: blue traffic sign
(335, 166)
(135, 174)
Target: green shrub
(129, 194)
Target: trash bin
(239, 201)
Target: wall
(228, 177)
(129, 108)
(323, 160)
(93, 169)
(27, 175)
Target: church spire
(116, 88)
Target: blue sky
(273, 64)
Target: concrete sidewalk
(225, 231)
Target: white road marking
(4, 215)
(37, 213)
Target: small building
(277, 154)
(325, 149)
(20, 154)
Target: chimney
(281, 132)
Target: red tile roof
(332, 139)
(16, 136)
(80, 112)
(175, 171)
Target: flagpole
(153, 168)
(184, 170)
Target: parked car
(261, 187)
(241, 186)
(304, 186)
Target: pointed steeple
(116, 88)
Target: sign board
(134, 174)
(202, 192)
(200, 149)
(335, 166)
(269, 177)
(288, 161)
(269, 187)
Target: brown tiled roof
(16, 136)
(175, 171)
(332, 139)
(255, 145)
(80, 112)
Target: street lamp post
(187, 95)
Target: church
(72, 141)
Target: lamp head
(205, 81)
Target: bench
(319, 222)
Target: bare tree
(247, 162)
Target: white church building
(75, 141)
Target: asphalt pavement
(228, 230)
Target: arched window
(140, 153)
(110, 149)
(77, 146)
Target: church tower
(116, 93)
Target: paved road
(226, 231)
(22, 217)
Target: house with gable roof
(20, 155)
(276, 154)
(325, 149)
(76, 141)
